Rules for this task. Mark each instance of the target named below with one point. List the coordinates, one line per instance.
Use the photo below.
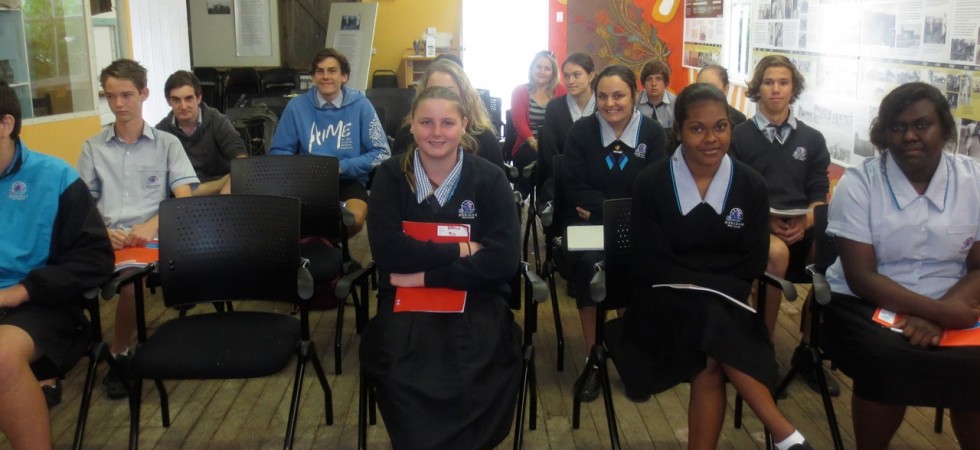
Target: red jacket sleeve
(520, 102)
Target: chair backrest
(558, 201)
(229, 247)
(397, 103)
(211, 86)
(256, 124)
(510, 136)
(313, 179)
(279, 81)
(618, 255)
(494, 107)
(242, 84)
(384, 78)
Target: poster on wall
(853, 53)
(350, 30)
(253, 30)
(628, 32)
(704, 32)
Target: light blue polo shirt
(920, 241)
(129, 181)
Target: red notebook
(951, 338)
(425, 299)
(138, 256)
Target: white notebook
(584, 237)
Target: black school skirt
(668, 334)
(444, 380)
(887, 369)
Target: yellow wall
(402, 21)
(63, 138)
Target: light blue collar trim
(631, 134)
(686, 190)
(904, 194)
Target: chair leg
(134, 413)
(372, 405)
(596, 361)
(938, 423)
(164, 402)
(559, 331)
(302, 355)
(338, 334)
(738, 411)
(324, 385)
(522, 397)
(362, 413)
(361, 304)
(533, 385)
(828, 405)
(607, 398)
(98, 353)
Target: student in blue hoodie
(334, 120)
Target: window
(57, 40)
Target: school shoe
(802, 446)
(589, 383)
(115, 389)
(52, 393)
(808, 371)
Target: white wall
(499, 40)
(160, 43)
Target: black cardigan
(483, 199)
(589, 180)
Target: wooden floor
(244, 414)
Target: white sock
(793, 439)
(124, 352)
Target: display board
(852, 53)
(350, 30)
(704, 32)
(239, 33)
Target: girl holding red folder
(906, 227)
(444, 380)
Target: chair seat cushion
(325, 260)
(218, 346)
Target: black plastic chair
(550, 217)
(494, 107)
(527, 289)
(212, 86)
(611, 288)
(819, 296)
(384, 78)
(279, 81)
(241, 85)
(219, 248)
(97, 352)
(397, 103)
(315, 180)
